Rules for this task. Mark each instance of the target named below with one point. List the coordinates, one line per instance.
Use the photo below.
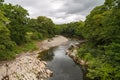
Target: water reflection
(63, 66)
(46, 55)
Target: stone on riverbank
(72, 52)
(25, 68)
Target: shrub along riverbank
(17, 51)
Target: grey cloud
(60, 11)
(81, 7)
(78, 6)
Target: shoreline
(72, 52)
(27, 65)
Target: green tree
(18, 20)
(73, 29)
(47, 25)
(6, 45)
(42, 27)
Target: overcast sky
(60, 11)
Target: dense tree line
(72, 29)
(102, 51)
(17, 29)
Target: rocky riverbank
(28, 66)
(72, 52)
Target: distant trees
(73, 29)
(48, 25)
(42, 26)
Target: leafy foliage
(6, 44)
(101, 51)
(42, 27)
(18, 20)
(73, 29)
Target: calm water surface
(63, 66)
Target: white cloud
(70, 18)
(57, 4)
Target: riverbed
(28, 66)
(62, 66)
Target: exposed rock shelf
(72, 52)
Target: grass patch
(9, 55)
(26, 47)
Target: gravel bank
(27, 66)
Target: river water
(63, 67)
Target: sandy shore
(27, 66)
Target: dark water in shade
(63, 66)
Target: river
(63, 67)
